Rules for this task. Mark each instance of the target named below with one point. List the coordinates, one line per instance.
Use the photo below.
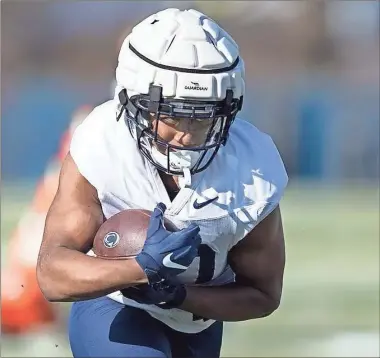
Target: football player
(169, 142)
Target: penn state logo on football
(111, 240)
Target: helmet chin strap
(179, 160)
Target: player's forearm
(228, 303)
(68, 275)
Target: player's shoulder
(88, 134)
(250, 166)
(247, 137)
(93, 142)
(98, 125)
(258, 152)
(100, 116)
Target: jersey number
(206, 269)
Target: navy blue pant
(104, 328)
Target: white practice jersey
(246, 181)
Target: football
(123, 235)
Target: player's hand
(164, 295)
(166, 254)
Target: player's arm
(258, 262)
(64, 271)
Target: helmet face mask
(213, 118)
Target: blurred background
(312, 83)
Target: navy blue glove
(166, 254)
(165, 296)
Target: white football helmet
(181, 65)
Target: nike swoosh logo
(197, 205)
(167, 262)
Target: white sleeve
(272, 185)
(87, 150)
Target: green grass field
(330, 303)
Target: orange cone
(23, 307)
